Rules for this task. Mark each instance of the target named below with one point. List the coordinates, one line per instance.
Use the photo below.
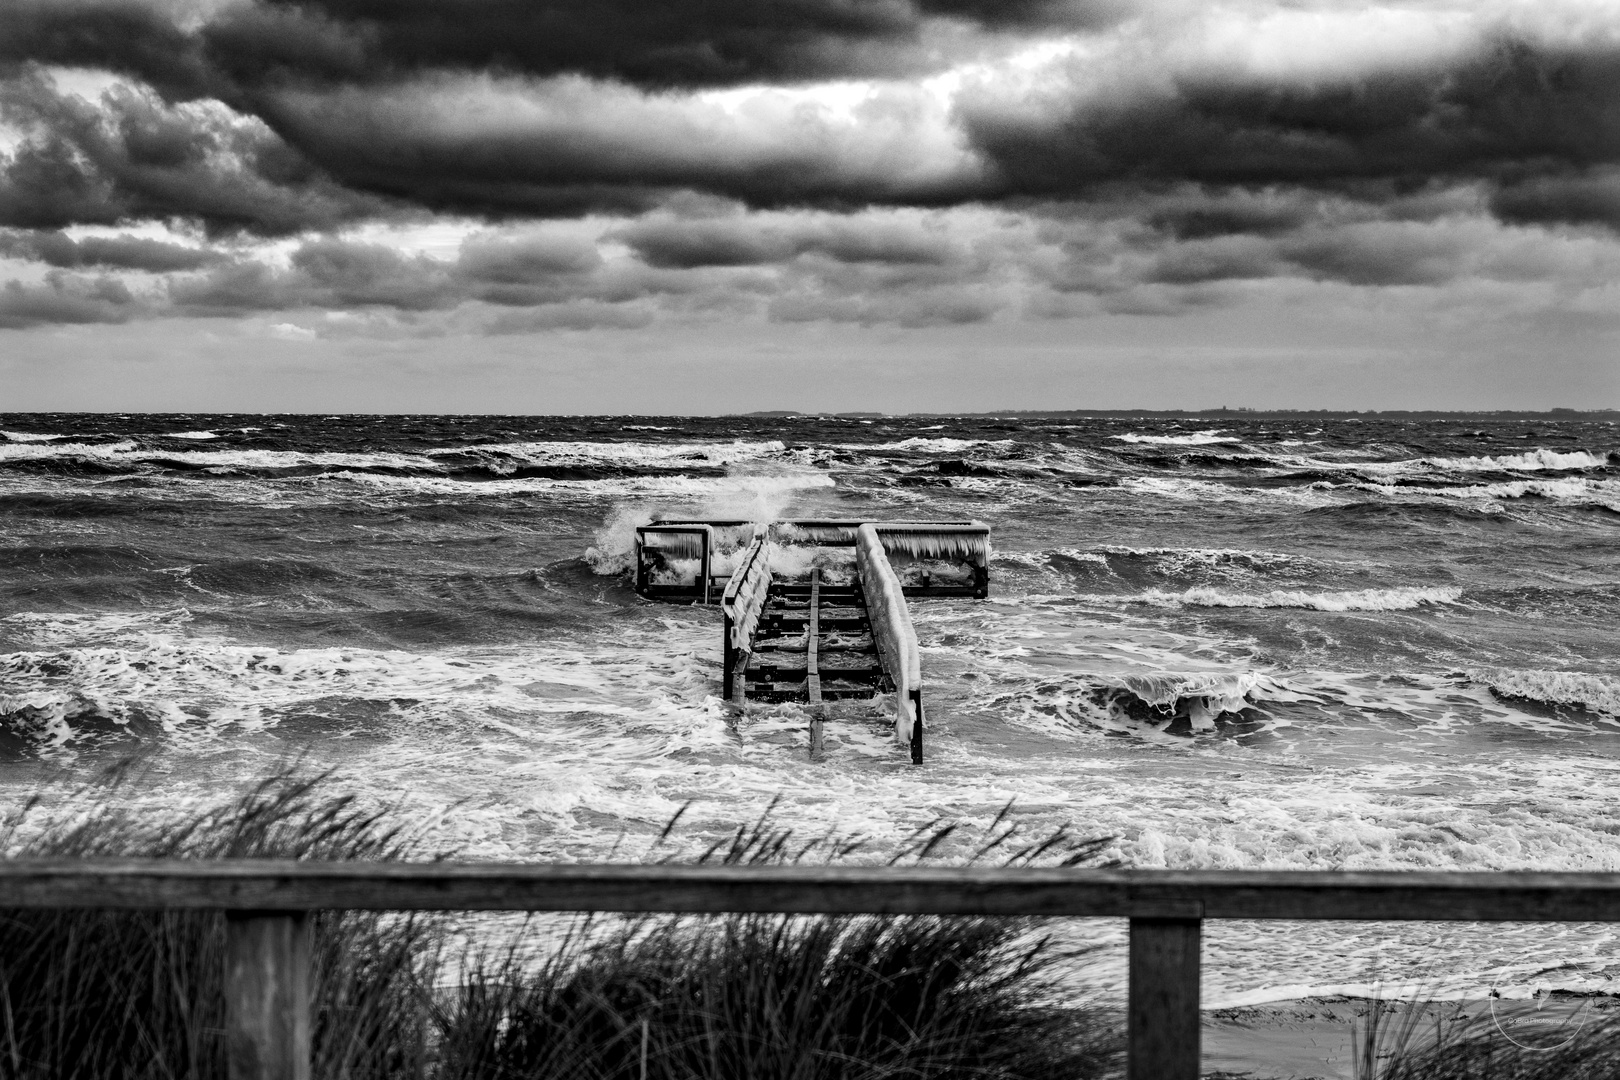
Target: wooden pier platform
(818, 641)
(814, 638)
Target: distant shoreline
(1548, 415)
(1243, 414)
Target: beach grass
(124, 994)
(138, 995)
(1421, 1040)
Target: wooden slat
(811, 646)
(267, 996)
(1163, 1021)
(812, 681)
(782, 672)
(257, 884)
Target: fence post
(917, 726)
(703, 564)
(728, 655)
(1163, 1038)
(267, 995)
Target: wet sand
(1320, 1038)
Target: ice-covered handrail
(932, 540)
(745, 593)
(965, 540)
(891, 625)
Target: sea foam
(1595, 693)
(1397, 599)
(1531, 461)
(1197, 438)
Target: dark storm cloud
(131, 156)
(1516, 109)
(306, 114)
(65, 299)
(941, 268)
(676, 43)
(114, 252)
(131, 37)
(739, 241)
(1586, 196)
(1142, 165)
(1221, 258)
(325, 273)
(1517, 117)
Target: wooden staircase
(790, 640)
(814, 644)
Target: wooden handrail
(268, 899)
(284, 885)
(892, 632)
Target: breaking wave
(1534, 460)
(1398, 599)
(1594, 693)
(923, 444)
(571, 453)
(553, 461)
(1577, 488)
(1197, 438)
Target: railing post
(917, 726)
(1163, 1036)
(267, 995)
(703, 564)
(728, 656)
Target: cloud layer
(875, 161)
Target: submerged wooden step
(797, 672)
(798, 623)
(835, 611)
(827, 591)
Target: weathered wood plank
(814, 632)
(917, 727)
(267, 995)
(812, 681)
(1162, 1016)
(739, 677)
(257, 884)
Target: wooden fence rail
(267, 903)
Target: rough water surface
(1227, 642)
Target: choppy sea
(1412, 625)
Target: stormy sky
(902, 205)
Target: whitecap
(651, 453)
(1397, 599)
(1197, 438)
(941, 445)
(1595, 693)
(747, 487)
(1531, 461)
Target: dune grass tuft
(795, 998)
(136, 995)
(1476, 1049)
